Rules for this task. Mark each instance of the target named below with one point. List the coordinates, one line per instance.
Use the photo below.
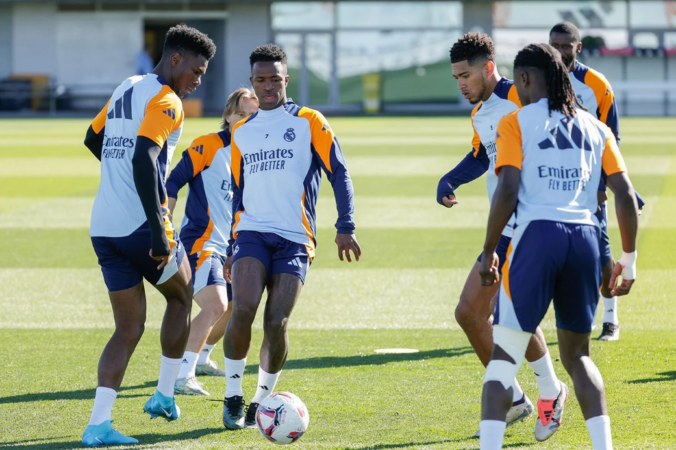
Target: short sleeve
(612, 160)
(509, 143)
(164, 115)
(100, 120)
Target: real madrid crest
(289, 135)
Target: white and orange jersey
(205, 165)
(595, 93)
(561, 159)
(277, 158)
(141, 106)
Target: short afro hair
(267, 52)
(567, 28)
(185, 39)
(473, 47)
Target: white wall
(33, 44)
(97, 47)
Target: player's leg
(206, 366)
(611, 325)
(249, 276)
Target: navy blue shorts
(604, 239)
(207, 270)
(551, 260)
(277, 254)
(503, 245)
(125, 261)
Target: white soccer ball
(282, 418)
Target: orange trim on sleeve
(308, 228)
(235, 154)
(602, 91)
(612, 161)
(203, 150)
(508, 142)
(322, 134)
(164, 115)
(100, 120)
(513, 96)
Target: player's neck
(491, 84)
(572, 66)
(273, 108)
(163, 70)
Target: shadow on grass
(323, 362)
(144, 439)
(662, 376)
(425, 444)
(81, 394)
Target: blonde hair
(234, 103)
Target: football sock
(103, 405)
(266, 384)
(234, 372)
(548, 383)
(492, 433)
(599, 431)
(205, 353)
(169, 368)
(518, 394)
(188, 365)
(610, 310)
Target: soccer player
(550, 156)
(277, 158)
(134, 137)
(594, 92)
(473, 61)
(205, 231)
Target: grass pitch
(55, 315)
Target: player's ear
(286, 80)
(489, 67)
(175, 59)
(578, 50)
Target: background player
(134, 137)
(205, 231)
(550, 157)
(277, 158)
(473, 60)
(595, 93)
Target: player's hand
(449, 201)
(624, 287)
(489, 269)
(345, 243)
(227, 268)
(164, 260)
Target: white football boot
(550, 414)
(189, 386)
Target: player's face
(522, 82)
(247, 107)
(566, 45)
(471, 80)
(188, 71)
(269, 80)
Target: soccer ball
(282, 418)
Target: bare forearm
(171, 205)
(627, 217)
(502, 208)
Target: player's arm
(626, 209)
(96, 132)
(508, 165)
(332, 160)
(474, 165)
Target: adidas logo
(170, 112)
(122, 107)
(235, 376)
(198, 148)
(295, 262)
(548, 414)
(185, 361)
(609, 310)
(264, 387)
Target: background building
(69, 55)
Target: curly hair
(566, 28)
(548, 61)
(473, 47)
(183, 38)
(267, 52)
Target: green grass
(55, 316)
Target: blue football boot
(161, 406)
(104, 434)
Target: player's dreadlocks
(267, 52)
(566, 28)
(559, 90)
(472, 47)
(183, 38)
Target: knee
(276, 324)
(217, 309)
(243, 313)
(131, 333)
(465, 315)
(572, 361)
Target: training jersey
(595, 93)
(560, 159)
(205, 166)
(141, 106)
(277, 158)
(481, 159)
